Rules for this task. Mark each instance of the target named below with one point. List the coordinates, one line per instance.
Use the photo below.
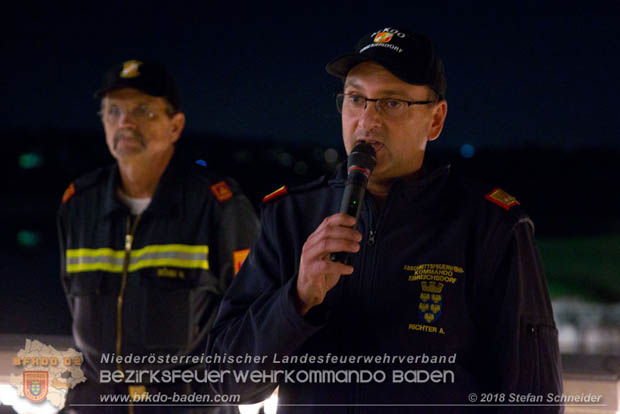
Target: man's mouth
(376, 145)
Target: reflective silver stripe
(147, 256)
(172, 255)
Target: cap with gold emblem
(146, 76)
(407, 55)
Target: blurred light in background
(285, 159)
(467, 150)
(29, 160)
(301, 167)
(242, 157)
(330, 155)
(587, 327)
(27, 238)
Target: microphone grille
(362, 155)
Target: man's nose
(126, 117)
(370, 118)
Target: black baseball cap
(408, 56)
(149, 77)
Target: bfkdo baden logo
(46, 374)
(35, 385)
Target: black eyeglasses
(393, 108)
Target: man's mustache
(133, 134)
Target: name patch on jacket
(156, 255)
(434, 281)
(170, 273)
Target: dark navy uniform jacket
(150, 285)
(442, 270)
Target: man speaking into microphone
(441, 304)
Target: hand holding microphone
(360, 163)
(323, 256)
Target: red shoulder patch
(221, 191)
(69, 192)
(276, 194)
(501, 198)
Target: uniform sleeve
(258, 318)
(524, 339)
(62, 242)
(237, 229)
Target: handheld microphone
(360, 163)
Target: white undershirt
(136, 205)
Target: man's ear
(177, 125)
(440, 110)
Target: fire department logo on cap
(130, 69)
(383, 37)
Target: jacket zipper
(129, 236)
(370, 209)
(371, 237)
(374, 227)
(366, 264)
(369, 265)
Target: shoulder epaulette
(501, 198)
(275, 194)
(221, 191)
(69, 192)
(84, 182)
(221, 187)
(284, 190)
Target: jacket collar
(166, 200)
(431, 178)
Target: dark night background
(533, 91)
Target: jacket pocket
(93, 313)
(542, 354)
(85, 284)
(166, 313)
(549, 377)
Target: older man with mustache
(148, 248)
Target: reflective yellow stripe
(154, 248)
(190, 264)
(94, 252)
(91, 267)
(108, 260)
